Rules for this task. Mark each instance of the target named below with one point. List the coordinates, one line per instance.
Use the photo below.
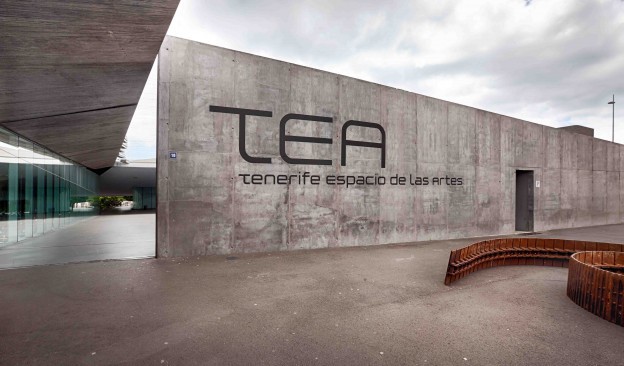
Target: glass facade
(40, 191)
(144, 198)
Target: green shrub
(104, 202)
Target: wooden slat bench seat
(595, 279)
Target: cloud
(553, 62)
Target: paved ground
(354, 306)
(122, 235)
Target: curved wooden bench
(518, 251)
(596, 283)
(595, 278)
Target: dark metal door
(524, 200)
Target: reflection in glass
(40, 191)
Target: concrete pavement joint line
(80, 262)
(79, 245)
(595, 279)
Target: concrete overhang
(122, 178)
(72, 72)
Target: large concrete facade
(205, 207)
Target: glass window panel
(56, 203)
(25, 201)
(9, 143)
(38, 156)
(40, 191)
(49, 201)
(13, 196)
(25, 151)
(4, 203)
(39, 201)
(64, 203)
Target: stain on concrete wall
(205, 207)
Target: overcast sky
(554, 62)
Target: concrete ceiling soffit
(91, 138)
(78, 56)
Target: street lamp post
(613, 119)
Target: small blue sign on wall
(173, 155)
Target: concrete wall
(204, 207)
(579, 129)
